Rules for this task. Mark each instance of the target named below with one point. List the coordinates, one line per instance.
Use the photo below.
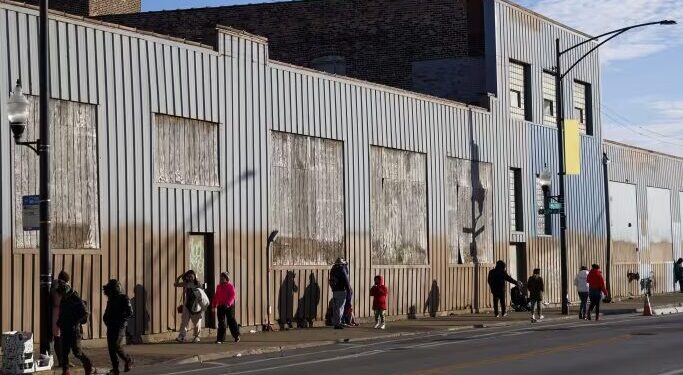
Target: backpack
(199, 301)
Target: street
(616, 345)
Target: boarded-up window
(520, 92)
(186, 151)
(549, 93)
(624, 222)
(306, 200)
(74, 189)
(469, 211)
(398, 205)
(659, 225)
(544, 222)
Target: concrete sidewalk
(268, 342)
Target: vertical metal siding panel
(13, 47)
(72, 61)
(23, 43)
(82, 64)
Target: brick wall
(380, 40)
(93, 7)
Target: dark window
(548, 108)
(516, 200)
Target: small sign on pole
(31, 212)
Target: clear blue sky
(641, 71)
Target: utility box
(17, 352)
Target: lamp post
(17, 110)
(608, 227)
(559, 76)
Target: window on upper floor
(549, 92)
(520, 91)
(583, 108)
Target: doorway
(201, 260)
(518, 262)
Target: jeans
(539, 308)
(226, 313)
(595, 297)
(115, 336)
(339, 302)
(499, 298)
(583, 296)
(380, 316)
(185, 323)
(680, 285)
(71, 343)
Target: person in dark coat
(497, 278)
(536, 288)
(340, 285)
(678, 273)
(72, 314)
(116, 316)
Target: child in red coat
(379, 292)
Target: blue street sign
(30, 212)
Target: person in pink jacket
(224, 304)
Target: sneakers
(383, 326)
(497, 315)
(180, 339)
(504, 315)
(196, 339)
(219, 342)
(128, 366)
(541, 317)
(377, 324)
(237, 339)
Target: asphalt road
(615, 345)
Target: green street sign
(555, 205)
(549, 211)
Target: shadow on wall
(308, 305)
(433, 300)
(286, 300)
(138, 325)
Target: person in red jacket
(379, 293)
(596, 289)
(224, 302)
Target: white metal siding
(549, 94)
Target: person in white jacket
(581, 283)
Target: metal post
(44, 150)
(608, 226)
(561, 197)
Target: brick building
(93, 8)
(434, 47)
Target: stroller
(519, 299)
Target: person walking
(224, 304)
(581, 283)
(379, 294)
(193, 306)
(340, 285)
(536, 289)
(62, 279)
(596, 289)
(496, 280)
(116, 316)
(72, 314)
(678, 274)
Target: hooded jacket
(536, 287)
(497, 278)
(119, 309)
(339, 278)
(379, 292)
(581, 281)
(596, 281)
(225, 295)
(71, 311)
(678, 270)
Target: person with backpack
(116, 316)
(496, 280)
(581, 282)
(379, 293)
(340, 285)
(536, 289)
(195, 303)
(62, 278)
(224, 303)
(73, 313)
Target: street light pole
(45, 252)
(559, 96)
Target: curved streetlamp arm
(591, 51)
(619, 31)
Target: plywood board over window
(398, 205)
(186, 151)
(74, 189)
(469, 211)
(306, 200)
(659, 225)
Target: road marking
(672, 372)
(339, 358)
(515, 356)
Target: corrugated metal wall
(132, 77)
(649, 171)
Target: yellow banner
(572, 147)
